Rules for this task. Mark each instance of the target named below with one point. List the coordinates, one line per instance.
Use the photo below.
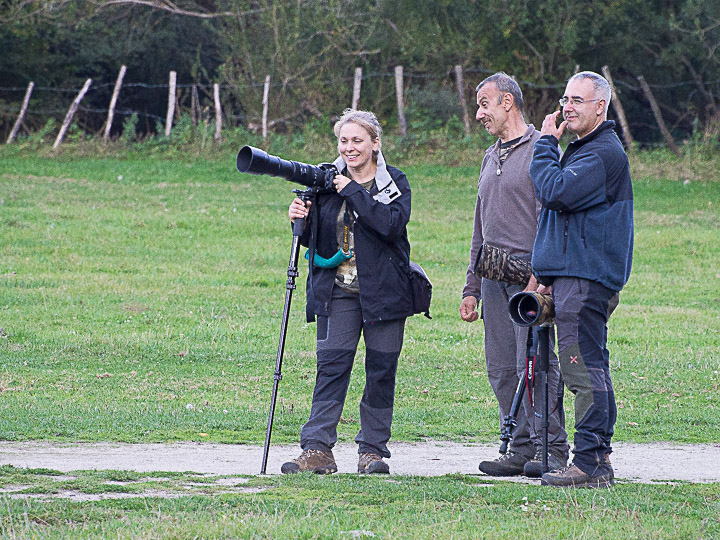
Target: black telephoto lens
(255, 161)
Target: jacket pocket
(582, 231)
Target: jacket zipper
(565, 235)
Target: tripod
(292, 272)
(538, 353)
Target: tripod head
(305, 195)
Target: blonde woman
(358, 285)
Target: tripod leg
(509, 422)
(543, 336)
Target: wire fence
(11, 98)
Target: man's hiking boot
(533, 468)
(612, 472)
(371, 463)
(573, 477)
(510, 464)
(317, 461)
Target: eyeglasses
(575, 101)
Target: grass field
(141, 298)
(350, 506)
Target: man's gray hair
(600, 85)
(506, 85)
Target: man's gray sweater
(506, 211)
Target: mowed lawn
(141, 300)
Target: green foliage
(129, 129)
(431, 107)
(183, 132)
(45, 135)
(59, 45)
(311, 49)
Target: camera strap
(346, 233)
(310, 255)
(388, 190)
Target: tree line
(311, 48)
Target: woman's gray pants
(337, 339)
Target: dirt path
(646, 463)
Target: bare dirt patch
(645, 463)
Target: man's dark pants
(582, 310)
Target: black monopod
(292, 272)
(318, 179)
(537, 311)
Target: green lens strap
(333, 262)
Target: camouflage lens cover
(496, 264)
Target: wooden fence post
(658, 117)
(71, 112)
(618, 108)
(218, 111)
(400, 102)
(194, 105)
(171, 103)
(23, 109)
(266, 95)
(113, 101)
(461, 96)
(356, 88)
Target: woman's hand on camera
(340, 182)
(298, 210)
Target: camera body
(252, 160)
(532, 309)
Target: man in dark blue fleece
(583, 254)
